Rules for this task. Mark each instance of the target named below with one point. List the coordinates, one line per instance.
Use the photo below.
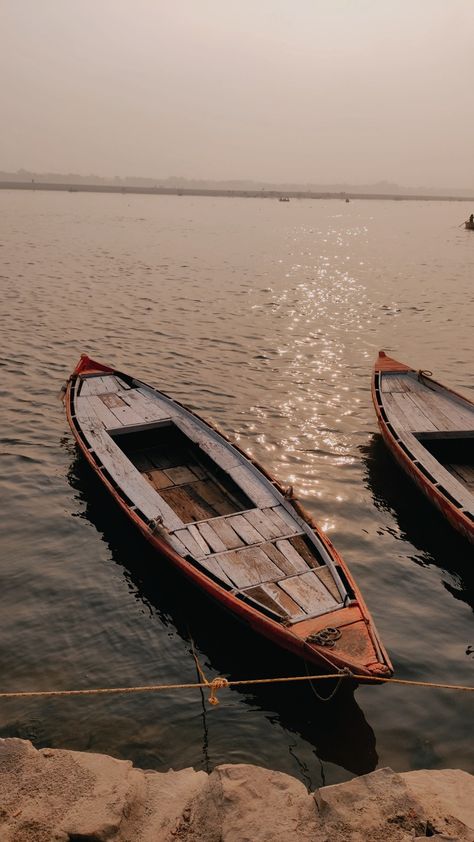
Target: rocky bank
(52, 795)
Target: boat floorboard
(440, 474)
(464, 474)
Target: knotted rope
(219, 683)
(216, 684)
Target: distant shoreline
(238, 194)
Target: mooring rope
(220, 682)
(214, 685)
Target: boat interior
(206, 499)
(435, 428)
(455, 452)
(187, 479)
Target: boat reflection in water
(282, 726)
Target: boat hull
(435, 493)
(356, 618)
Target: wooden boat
(430, 431)
(222, 520)
(469, 225)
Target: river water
(266, 318)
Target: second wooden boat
(430, 431)
(222, 520)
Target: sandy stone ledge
(52, 795)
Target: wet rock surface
(54, 795)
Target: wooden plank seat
(99, 385)
(128, 406)
(145, 407)
(235, 531)
(285, 575)
(90, 407)
(425, 408)
(402, 405)
(291, 591)
(302, 597)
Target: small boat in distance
(430, 431)
(469, 224)
(284, 199)
(222, 520)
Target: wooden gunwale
(410, 464)
(253, 616)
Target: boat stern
(345, 640)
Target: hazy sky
(281, 90)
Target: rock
(447, 795)
(167, 807)
(61, 795)
(54, 795)
(378, 806)
(259, 804)
(115, 786)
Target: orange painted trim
(385, 363)
(88, 366)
